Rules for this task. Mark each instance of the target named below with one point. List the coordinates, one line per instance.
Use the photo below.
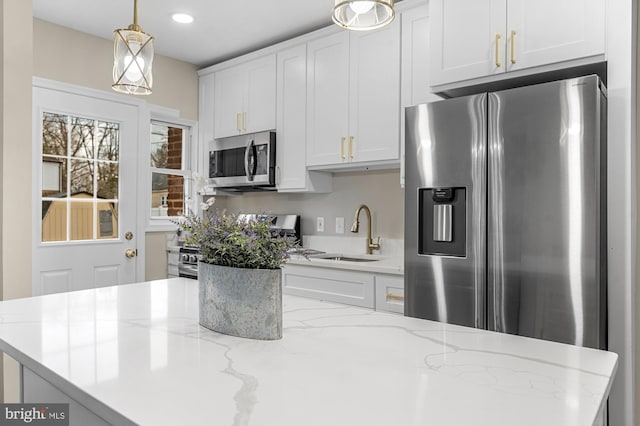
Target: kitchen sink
(350, 259)
(340, 257)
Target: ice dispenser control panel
(442, 221)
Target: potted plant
(240, 281)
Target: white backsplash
(353, 245)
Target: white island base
(135, 354)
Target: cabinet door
(291, 118)
(546, 31)
(260, 95)
(327, 99)
(374, 90)
(415, 87)
(464, 39)
(229, 91)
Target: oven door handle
(250, 160)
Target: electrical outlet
(320, 224)
(339, 225)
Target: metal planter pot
(241, 302)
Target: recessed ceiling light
(182, 18)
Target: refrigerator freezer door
(445, 203)
(545, 225)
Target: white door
(468, 39)
(84, 192)
(547, 31)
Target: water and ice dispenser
(442, 224)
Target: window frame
(189, 152)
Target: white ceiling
(222, 29)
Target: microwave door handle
(250, 160)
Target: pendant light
(133, 58)
(363, 15)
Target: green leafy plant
(233, 240)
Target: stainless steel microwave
(244, 161)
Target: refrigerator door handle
(496, 316)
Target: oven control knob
(185, 257)
(193, 258)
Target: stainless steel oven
(245, 161)
(188, 262)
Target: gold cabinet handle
(238, 121)
(350, 146)
(342, 139)
(498, 64)
(244, 121)
(513, 47)
(130, 253)
(391, 296)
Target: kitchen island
(135, 354)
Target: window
(80, 167)
(170, 169)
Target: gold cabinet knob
(130, 253)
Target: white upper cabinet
(574, 29)
(327, 99)
(479, 38)
(415, 67)
(245, 98)
(465, 37)
(291, 169)
(374, 95)
(354, 97)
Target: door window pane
(81, 220)
(81, 177)
(107, 219)
(107, 180)
(54, 134)
(81, 137)
(80, 154)
(54, 220)
(108, 140)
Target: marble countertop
(135, 353)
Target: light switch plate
(320, 224)
(339, 225)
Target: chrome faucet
(356, 226)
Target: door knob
(128, 236)
(130, 253)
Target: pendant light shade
(133, 59)
(363, 15)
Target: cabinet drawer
(333, 285)
(173, 258)
(390, 293)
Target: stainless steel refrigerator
(505, 211)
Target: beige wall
(380, 190)
(62, 54)
(15, 117)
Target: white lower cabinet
(36, 390)
(332, 285)
(173, 259)
(390, 293)
(381, 292)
